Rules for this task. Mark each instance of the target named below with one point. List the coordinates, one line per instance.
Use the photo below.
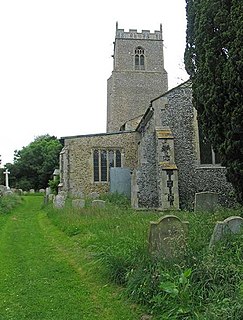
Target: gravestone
(32, 191)
(78, 203)
(63, 194)
(59, 201)
(3, 189)
(206, 201)
(77, 194)
(94, 195)
(167, 237)
(231, 225)
(48, 191)
(120, 181)
(19, 191)
(42, 190)
(98, 203)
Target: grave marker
(6, 178)
(98, 203)
(231, 225)
(167, 237)
(206, 201)
(78, 203)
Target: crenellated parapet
(134, 34)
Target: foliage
(214, 60)
(206, 284)
(53, 184)
(34, 164)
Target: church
(152, 149)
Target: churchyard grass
(44, 274)
(205, 284)
(93, 263)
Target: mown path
(45, 275)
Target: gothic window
(103, 160)
(207, 155)
(139, 59)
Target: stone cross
(6, 178)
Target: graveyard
(163, 265)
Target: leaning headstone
(231, 225)
(206, 201)
(98, 203)
(78, 203)
(59, 201)
(167, 237)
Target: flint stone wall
(174, 110)
(78, 176)
(147, 191)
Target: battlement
(134, 34)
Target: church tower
(138, 76)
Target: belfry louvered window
(103, 160)
(139, 59)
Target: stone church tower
(138, 76)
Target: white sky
(55, 59)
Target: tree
(214, 61)
(34, 165)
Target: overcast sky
(55, 59)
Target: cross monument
(6, 178)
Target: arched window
(139, 59)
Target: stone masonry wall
(80, 166)
(130, 95)
(147, 172)
(179, 116)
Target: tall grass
(205, 284)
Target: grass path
(45, 275)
